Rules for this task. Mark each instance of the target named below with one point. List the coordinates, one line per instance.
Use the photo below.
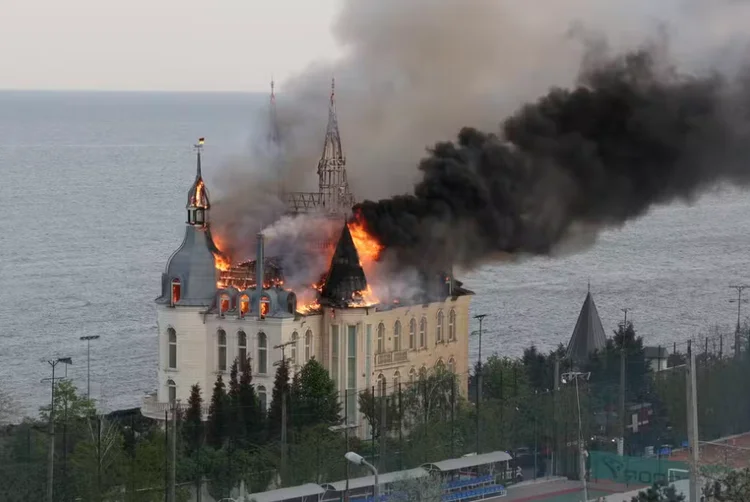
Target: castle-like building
(210, 314)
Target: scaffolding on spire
(334, 196)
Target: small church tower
(332, 182)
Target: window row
(260, 390)
(261, 361)
(308, 349)
(421, 342)
(383, 386)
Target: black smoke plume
(633, 133)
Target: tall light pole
(739, 302)
(88, 339)
(359, 460)
(566, 377)
(51, 459)
(479, 375)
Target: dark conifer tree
(280, 390)
(235, 409)
(252, 416)
(192, 428)
(218, 416)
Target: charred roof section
(345, 279)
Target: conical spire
(273, 127)
(345, 276)
(588, 335)
(198, 194)
(332, 180)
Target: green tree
(217, 427)
(68, 404)
(732, 487)
(280, 391)
(315, 399)
(659, 492)
(235, 410)
(253, 421)
(192, 426)
(371, 408)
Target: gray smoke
(413, 73)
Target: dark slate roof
(588, 334)
(194, 265)
(345, 275)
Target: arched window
(381, 385)
(224, 304)
(172, 340)
(308, 345)
(423, 333)
(413, 334)
(244, 305)
(396, 381)
(452, 365)
(423, 372)
(440, 365)
(439, 327)
(172, 388)
(265, 306)
(452, 326)
(262, 353)
(263, 398)
(222, 344)
(381, 338)
(176, 290)
(295, 339)
(397, 336)
(412, 376)
(242, 348)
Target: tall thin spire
(332, 180)
(198, 149)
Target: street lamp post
(359, 460)
(574, 375)
(479, 375)
(51, 459)
(88, 339)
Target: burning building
(365, 331)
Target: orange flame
(368, 247)
(369, 250)
(221, 262)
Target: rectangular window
(335, 355)
(368, 354)
(173, 356)
(351, 383)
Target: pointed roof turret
(332, 181)
(588, 335)
(345, 279)
(191, 275)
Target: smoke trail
(632, 134)
(415, 72)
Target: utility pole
(51, 452)
(739, 302)
(383, 428)
(692, 423)
(555, 404)
(173, 467)
(88, 339)
(581, 450)
(479, 379)
(621, 446)
(284, 395)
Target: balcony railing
(394, 357)
(152, 408)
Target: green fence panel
(635, 470)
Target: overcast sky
(160, 44)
